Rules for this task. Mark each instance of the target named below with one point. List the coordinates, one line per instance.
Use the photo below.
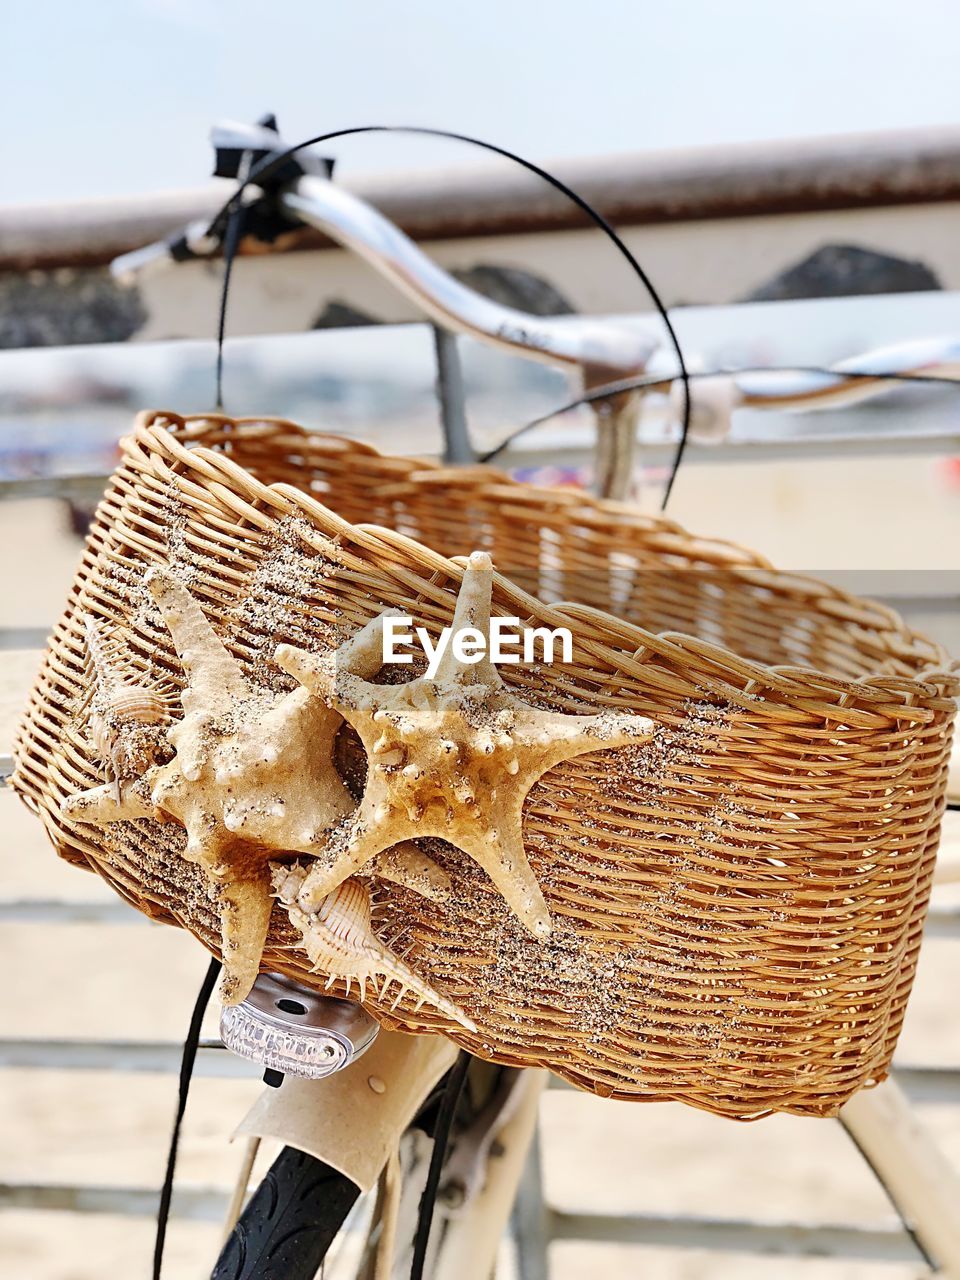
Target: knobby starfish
(453, 756)
(253, 775)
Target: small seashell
(121, 710)
(340, 942)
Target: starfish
(453, 756)
(253, 774)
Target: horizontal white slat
(195, 1203)
(124, 1055)
(23, 637)
(56, 911)
(738, 1236)
(922, 1083)
(681, 1232)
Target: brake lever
(238, 148)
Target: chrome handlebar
(714, 397)
(801, 390)
(601, 350)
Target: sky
(112, 97)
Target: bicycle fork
(349, 1094)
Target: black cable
(186, 1072)
(273, 162)
(661, 379)
(231, 242)
(441, 1134)
(907, 1226)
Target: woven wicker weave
(737, 907)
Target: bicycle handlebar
(850, 381)
(598, 348)
(302, 193)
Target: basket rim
(869, 700)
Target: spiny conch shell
(339, 940)
(122, 711)
(453, 756)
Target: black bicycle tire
(289, 1222)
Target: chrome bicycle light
(295, 1030)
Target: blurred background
(788, 175)
(117, 98)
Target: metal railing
(813, 175)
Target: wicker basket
(738, 906)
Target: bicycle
(292, 1219)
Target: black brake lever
(240, 148)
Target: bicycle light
(295, 1030)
